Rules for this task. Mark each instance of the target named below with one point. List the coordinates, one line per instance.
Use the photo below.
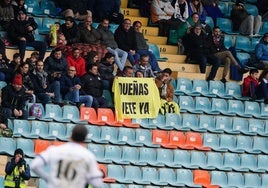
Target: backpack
(36, 110)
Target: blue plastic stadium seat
(243, 43)
(184, 86)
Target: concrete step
(168, 49)
(130, 12)
(153, 31)
(156, 39)
(174, 58)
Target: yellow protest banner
(136, 98)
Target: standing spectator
(200, 52)
(92, 85)
(261, 52)
(217, 47)
(43, 88)
(13, 99)
(250, 84)
(21, 33)
(243, 22)
(73, 156)
(197, 6)
(144, 66)
(6, 14)
(107, 38)
(69, 30)
(125, 36)
(108, 9)
(143, 48)
(77, 61)
(71, 89)
(161, 13)
(106, 70)
(75, 9)
(181, 10)
(212, 9)
(17, 171)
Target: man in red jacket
(250, 84)
(77, 61)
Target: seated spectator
(77, 61)
(243, 22)
(261, 52)
(3, 68)
(13, 67)
(69, 30)
(250, 84)
(56, 65)
(18, 5)
(21, 33)
(127, 72)
(106, 70)
(71, 89)
(198, 50)
(139, 74)
(75, 9)
(27, 83)
(32, 60)
(108, 9)
(13, 99)
(92, 57)
(44, 89)
(217, 47)
(196, 6)
(262, 90)
(144, 66)
(6, 14)
(143, 48)
(88, 39)
(166, 92)
(92, 85)
(125, 36)
(161, 13)
(181, 10)
(263, 9)
(212, 9)
(107, 38)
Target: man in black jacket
(13, 99)
(92, 85)
(21, 33)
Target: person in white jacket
(162, 12)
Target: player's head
(79, 133)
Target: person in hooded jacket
(261, 52)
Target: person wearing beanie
(261, 52)
(17, 171)
(244, 22)
(72, 156)
(13, 99)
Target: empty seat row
(229, 107)
(238, 144)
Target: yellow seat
(172, 58)
(124, 3)
(150, 30)
(156, 39)
(168, 49)
(130, 12)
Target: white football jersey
(70, 165)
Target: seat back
(40, 145)
(252, 180)
(235, 179)
(56, 130)
(112, 153)
(173, 119)
(105, 115)
(21, 128)
(219, 178)
(27, 145)
(252, 108)
(53, 111)
(39, 129)
(243, 43)
(184, 85)
(87, 113)
(200, 86)
(130, 154)
(225, 24)
(97, 150)
(186, 103)
(7, 146)
(176, 138)
(70, 112)
(202, 104)
(219, 105)
(201, 177)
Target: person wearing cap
(199, 51)
(71, 164)
(13, 99)
(244, 22)
(261, 52)
(17, 171)
(21, 33)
